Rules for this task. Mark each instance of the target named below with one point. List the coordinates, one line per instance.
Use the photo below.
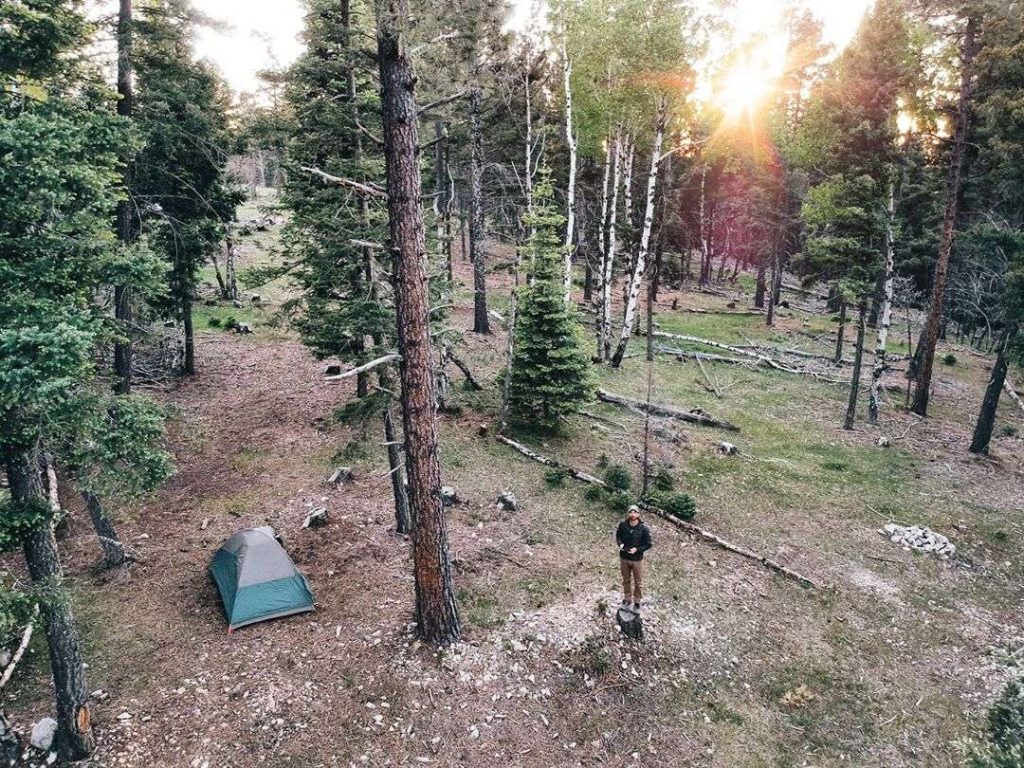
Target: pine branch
(441, 102)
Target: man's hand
(632, 550)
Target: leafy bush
(594, 493)
(663, 480)
(949, 359)
(676, 503)
(213, 322)
(617, 477)
(230, 322)
(618, 501)
(555, 477)
(1004, 747)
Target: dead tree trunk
(125, 227)
(858, 359)
(603, 241)
(956, 158)
(437, 616)
(838, 357)
(114, 553)
(640, 266)
(481, 323)
(403, 520)
(75, 739)
(987, 416)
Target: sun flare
(748, 84)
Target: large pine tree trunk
(481, 323)
(858, 358)
(75, 737)
(114, 553)
(608, 263)
(570, 137)
(884, 315)
(125, 228)
(934, 320)
(437, 616)
(762, 284)
(987, 416)
(640, 266)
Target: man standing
(634, 538)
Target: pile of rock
(919, 538)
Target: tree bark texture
(570, 138)
(114, 553)
(987, 416)
(437, 615)
(858, 359)
(125, 226)
(481, 323)
(608, 265)
(883, 320)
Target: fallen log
(1013, 393)
(461, 365)
(762, 359)
(740, 312)
(394, 357)
(694, 416)
(683, 354)
(22, 646)
(683, 525)
(766, 561)
(531, 454)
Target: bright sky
(266, 33)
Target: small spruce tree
(550, 372)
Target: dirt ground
(890, 664)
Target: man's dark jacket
(629, 536)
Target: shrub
(949, 359)
(1009, 430)
(594, 493)
(676, 503)
(230, 323)
(555, 477)
(618, 500)
(663, 480)
(213, 322)
(603, 461)
(1004, 747)
(617, 477)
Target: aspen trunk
(230, 276)
(437, 616)
(481, 323)
(603, 240)
(570, 137)
(608, 264)
(934, 321)
(705, 246)
(75, 739)
(125, 226)
(884, 319)
(442, 199)
(858, 358)
(637, 278)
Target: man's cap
(633, 508)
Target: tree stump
(630, 623)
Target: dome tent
(257, 580)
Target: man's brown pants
(632, 571)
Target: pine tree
(550, 373)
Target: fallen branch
(367, 244)
(766, 561)
(711, 384)
(393, 357)
(22, 646)
(762, 359)
(531, 454)
(1013, 393)
(366, 189)
(690, 528)
(694, 416)
(683, 354)
(740, 312)
(465, 371)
